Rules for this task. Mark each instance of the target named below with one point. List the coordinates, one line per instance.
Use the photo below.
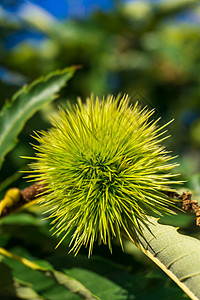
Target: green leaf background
(128, 275)
(145, 53)
(25, 103)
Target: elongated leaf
(60, 278)
(23, 290)
(176, 254)
(25, 103)
(70, 283)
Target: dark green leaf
(12, 288)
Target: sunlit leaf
(176, 254)
(25, 103)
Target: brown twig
(16, 198)
(33, 191)
(189, 204)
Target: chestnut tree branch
(16, 198)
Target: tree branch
(187, 203)
(15, 198)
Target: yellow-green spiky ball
(104, 170)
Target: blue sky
(63, 8)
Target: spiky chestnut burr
(104, 169)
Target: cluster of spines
(104, 169)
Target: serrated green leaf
(25, 103)
(176, 254)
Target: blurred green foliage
(141, 49)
